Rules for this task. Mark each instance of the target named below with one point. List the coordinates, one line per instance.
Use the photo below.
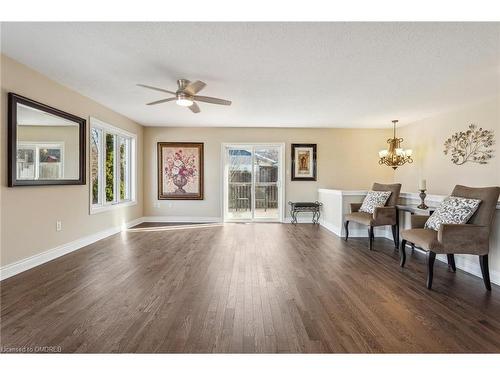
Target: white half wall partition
(336, 203)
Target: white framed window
(40, 160)
(112, 167)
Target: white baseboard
(466, 263)
(470, 264)
(12, 269)
(377, 232)
(357, 232)
(181, 219)
(210, 219)
(331, 227)
(301, 219)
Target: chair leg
(395, 236)
(451, 262)
(397, 233)
(346, 225)
(370, 236)
(431, 257)
(402, 256)
(483, 262)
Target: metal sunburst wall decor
(473, 145)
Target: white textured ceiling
(276, 74)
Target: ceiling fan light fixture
(186, 95)
(184, 102)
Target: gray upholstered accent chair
(386, 215)
(471, 238)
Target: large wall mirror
(46, 146)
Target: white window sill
(109, 207)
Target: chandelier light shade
(395, 155)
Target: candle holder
(422, 205)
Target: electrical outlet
(58, 226)
(156, 204)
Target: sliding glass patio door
(252, 182)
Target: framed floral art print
(180, 170)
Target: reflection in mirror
(47, 146)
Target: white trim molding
(343, 192)
(12, 269)
(432, 199)
(181, 219)
(331, 227)
(302, 218)
(382, 232)
(465, 262)
(131, 174)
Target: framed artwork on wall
(304, 162)
(180, 170)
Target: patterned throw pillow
(374, 199)
(453, 210)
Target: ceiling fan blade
(161, 101)
(194, 108)
(208, 99)
(194, 87)
(156, 88)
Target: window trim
(36, 146)
(127, 145)
(118, 132)
(102, 175)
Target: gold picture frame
(180, 171)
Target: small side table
(297, 207)
(414, 210)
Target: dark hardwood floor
(245, 288)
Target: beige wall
(29, 214)
(347, 159)
(427, 137)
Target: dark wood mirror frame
(13, 100)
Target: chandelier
(395, 156)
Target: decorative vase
(422, 205)
(180, 181)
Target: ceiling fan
(185, 95)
